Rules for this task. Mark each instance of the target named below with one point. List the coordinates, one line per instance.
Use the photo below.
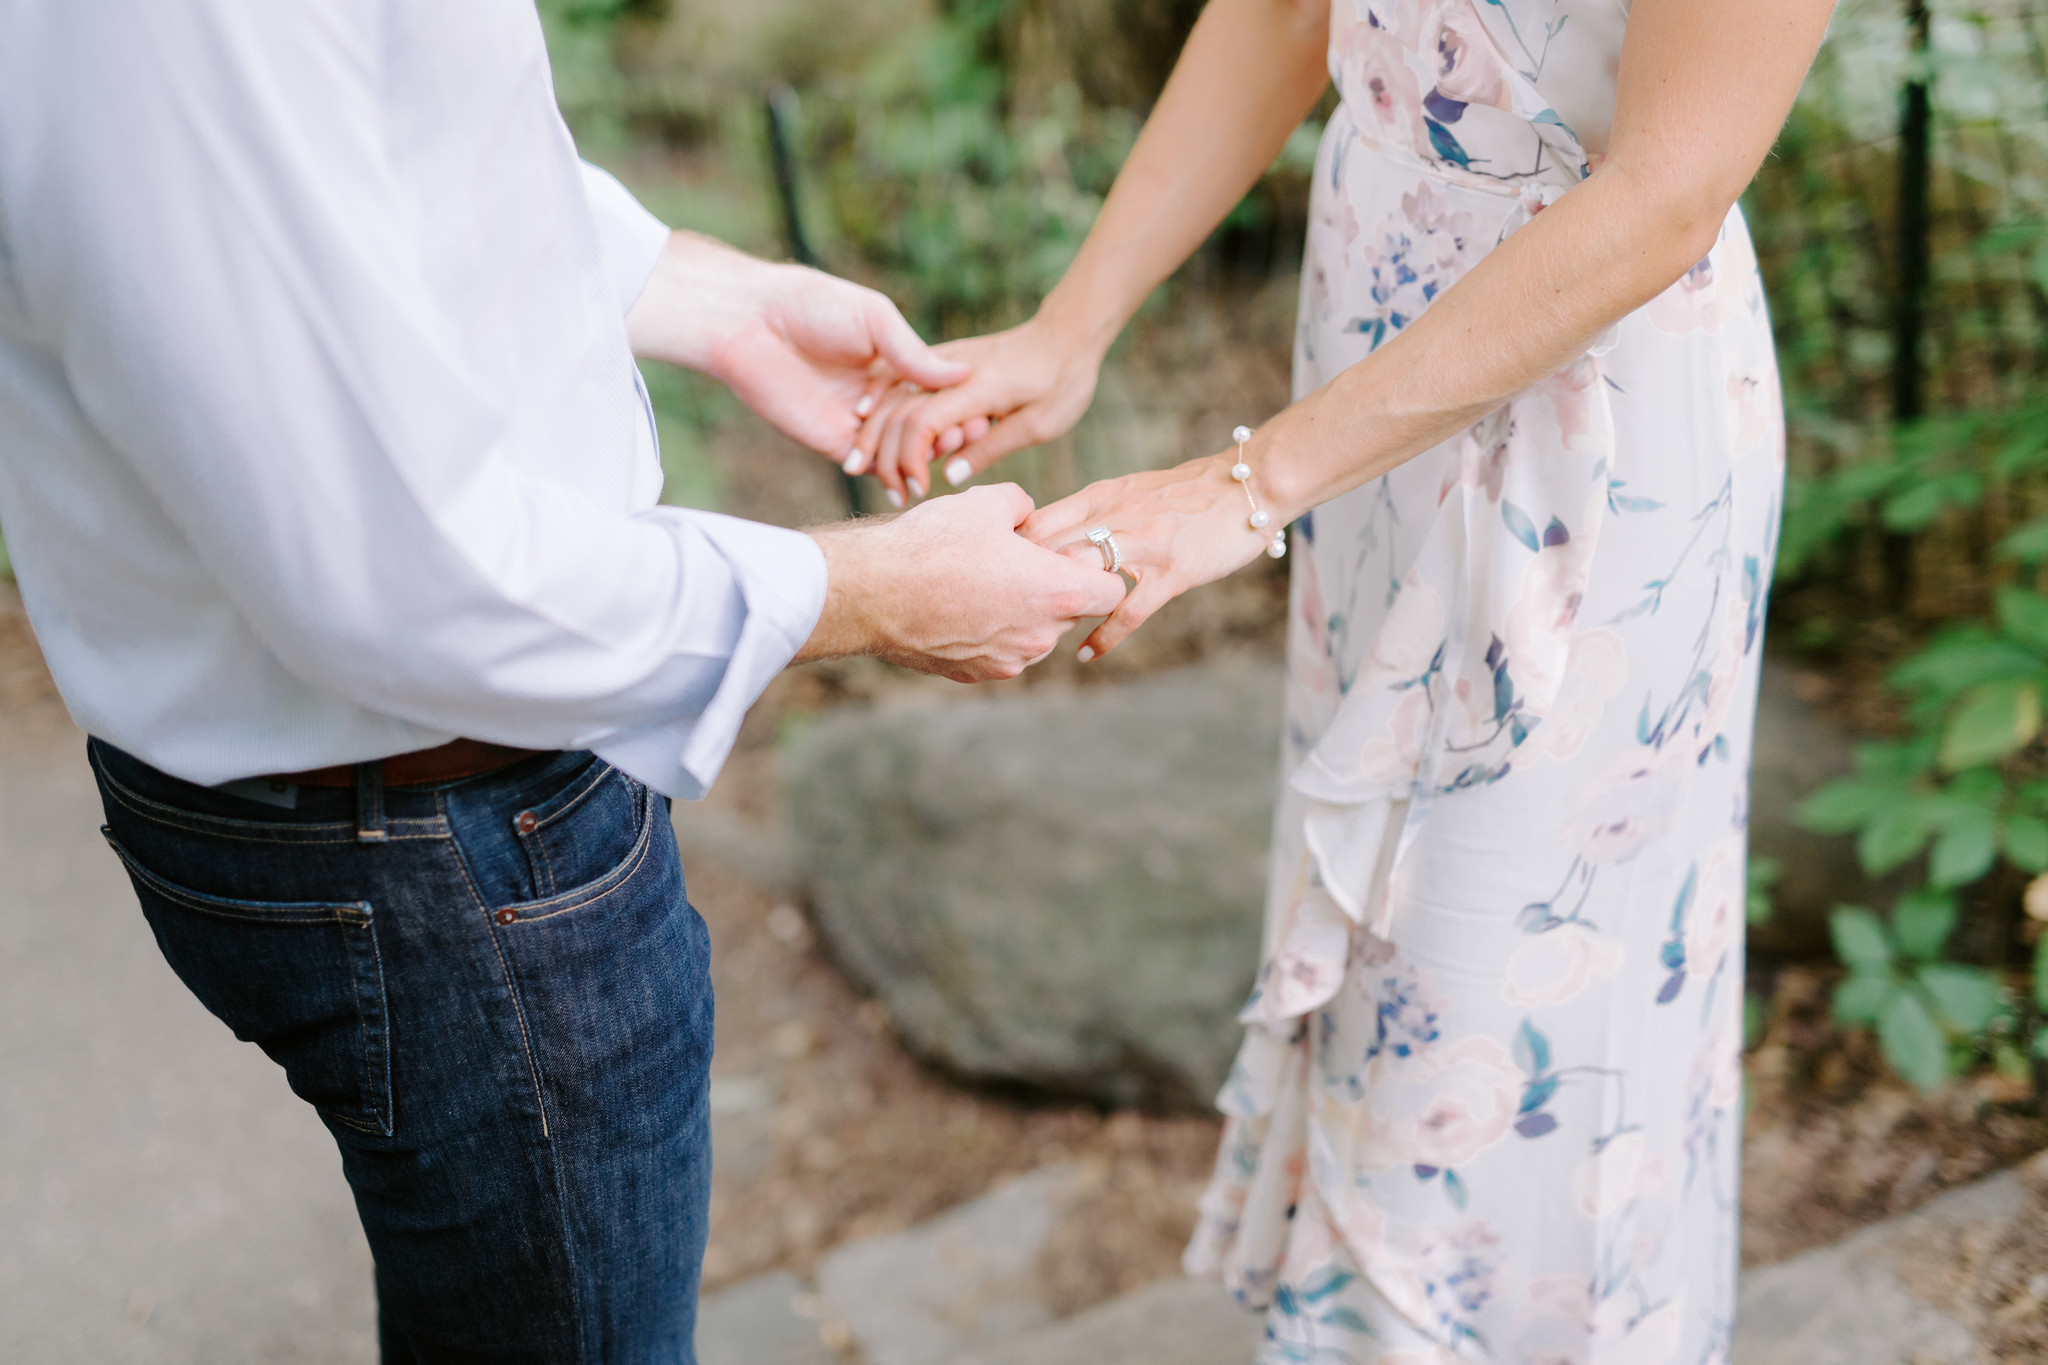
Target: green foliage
(966, 205)
(1928, 1013)
(1763, 877)
(1960, 791)
(1924, 469)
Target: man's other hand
(951, 588)
(805, 350)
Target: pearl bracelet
(1242, 472)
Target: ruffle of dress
(1356, 821)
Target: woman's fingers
(910, 476)
(1013, 433)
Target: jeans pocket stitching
(357, 919)
(599, 772)
(355, 913)
(596, 890)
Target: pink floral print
(1486, 1108)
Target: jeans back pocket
(302, 981)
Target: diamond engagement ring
(1112, 558)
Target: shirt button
(506, 916)
(527, 822)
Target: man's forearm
(700, 292)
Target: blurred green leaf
(1895, 834)
(2023, 615)
(1860, 996)
(1846, 803)
(1763, 875)
(1993, 719)
(2041, 972)
(2026, 842)
(2027, 545)
(1913, 1043)
(1922, 921)
(1963, 658)
(1966, 999)
(1860, 939)
(1965, 850)
(1921, 503)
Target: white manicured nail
(895, 498)
(958, 471)
(853, 461)
(1086, 654)
(916, 488)
(865, 406)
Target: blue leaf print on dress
(1445, 146)
(1519, 525)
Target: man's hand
(951, 588)
(805, 350)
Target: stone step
(757, 1323)
(1173, 1322)
(925, 1296)
(1854, 1304)
(962, 1290)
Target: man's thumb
(903, 348)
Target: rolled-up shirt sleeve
(632, 237)
(226, 263)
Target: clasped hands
(972, 587)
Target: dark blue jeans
(498, 999)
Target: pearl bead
(1240, 471)
(1240, 434)
(1259, 519)
(1278, 549)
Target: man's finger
(1096, 593)
(1007, 500)
(901, 346)
(1060, 521)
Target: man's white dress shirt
(320, 440)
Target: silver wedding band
(1112, 558)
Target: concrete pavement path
(164, 1199)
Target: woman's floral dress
(1487, 1106)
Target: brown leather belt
(450, 762)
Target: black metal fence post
(1908, 383)
(780, 106)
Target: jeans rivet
(527, 822)
(507, 916)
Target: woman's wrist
(1079, 326)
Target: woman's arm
(1251, 70)
(1702, 92)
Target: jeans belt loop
(370, 803)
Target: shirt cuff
(780, 576)
(630, 237)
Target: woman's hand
(1030, 385)
(1175, 529)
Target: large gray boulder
(1061, 888)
